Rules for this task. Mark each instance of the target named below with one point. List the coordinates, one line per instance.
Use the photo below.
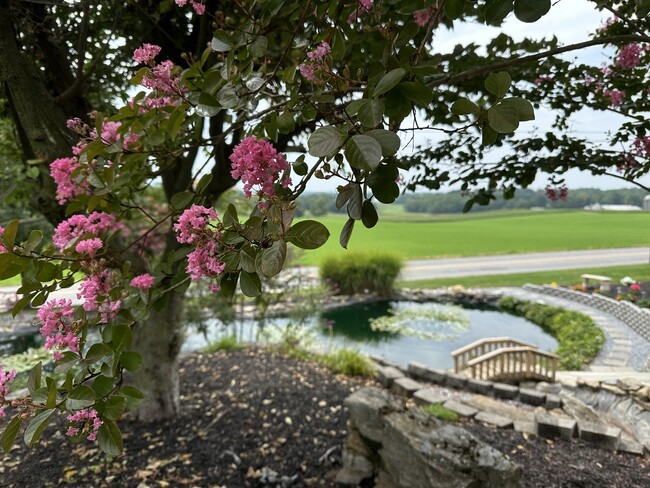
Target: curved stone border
(404, 381)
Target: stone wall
(401, 448)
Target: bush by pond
(580, 340)
(357, 272)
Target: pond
(428, 341)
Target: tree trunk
(159, 340)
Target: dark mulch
(250, 413)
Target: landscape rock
(494, 419)
(428, 396)
(551, 426)
(387, 374)
(406, 386)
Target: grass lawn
(415, 236)
(562, 277)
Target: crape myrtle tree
(219, 92)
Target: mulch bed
(253, 418)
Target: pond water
(350, 327)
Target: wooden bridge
(504, 359)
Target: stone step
(493, 419)
(459, 408)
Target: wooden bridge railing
(514, 363)
(463, 355)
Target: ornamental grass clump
(357, 272)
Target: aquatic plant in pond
(425, 321)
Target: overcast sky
(571, 21)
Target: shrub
(437, 410)
(349, 362)
(227, 343)
(579, 339)
(356, 272)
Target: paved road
(523, 263)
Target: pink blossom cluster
(194, 228)
(198, 7)
(110, 135)
(312, 70)
(59, 328)
(79, 126)
(555, 194)
(84, 421)
(629, 56)
(5, 378)
(635, 287)
(146, 53)
(96, 223)
(615, 96)
(641, 146)
(542, 79)
(68, 185)
(2, 247)
(640, 149)
(143, 281)
(89, 246)
(95, 290)
(363, 7)
(422, 17)
(192, 225)
(161, 78)
(257, 163)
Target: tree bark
(159, 340)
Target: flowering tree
(339, 81)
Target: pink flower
(198, 7)
(143, 281)
(95, 290)
(84, 421)
(308, 71)
(96, 223)
(89, 246)
(615, 96)
(422, 17)
(5, 378)
(259, 164)
(635, 287)
(629, 56)
(203, 262)
(193, 222)
(64, 172)
(320, 52)
(161, 78)
(146, 53)
(555, 194)
(59, 328)
(2, 247)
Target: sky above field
(571, 21)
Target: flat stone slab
(494, 419)
(525, 426)
(456, 380)
(428, 396)
(387, 374)
(503, 390)
(551, 426)
(426, 373)
(553, 401)
(405, 386)
(532, 397)
(459, 408)
(631, 448)
(479, 386)
(601, 435)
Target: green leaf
(9, 435)
(371, 113)
(388, 140)
(464, 106)
(417, 92)
(113, 408)
(96, 352)
(110, 438)
(133, 397)
(503, 118)
(247, 257)
(221, 42)
(230, 215)
(300, 168)
(36, 426)
(388, 81)
(285, 123)
(204, 182)
(498, 83)
(363, 152)
(524, 108)
(182, 200)
(338, 45)
(325, 141)
(121, 337)
(34, 239)
(307, 234)
(355, 203)
(387, 193)
(102, 385)
(9, 235)
(131, 360)
(531, 10)
(250, 284)
(489, 136)
(208, 106)
(345, 193)
(258, 47)
(642, 8)
(47, 271)
(64, 364)
(227, 97)
(40, 298)
(369, 215)
(496, 11)
(81, 397)
(346, 233)
(228, 285)
(272, 259)
(454, 8)
(34, 380)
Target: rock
(602, 435)
(479, 386)
(524, 426)
(405, 386)
(428, 396)
(631, 448)
(491, 405)
(459, 408)
(503, 390)
(551, 426)
(387, 374)
(532, 397)
(366, 408)
(613, 389)
(456, 380)
(494, 419)
(553, 402)
(643, 393)
(543, 386)
(422, 372)
(578, 409)
(629, 384)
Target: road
(523, 263)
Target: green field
(415, 236)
